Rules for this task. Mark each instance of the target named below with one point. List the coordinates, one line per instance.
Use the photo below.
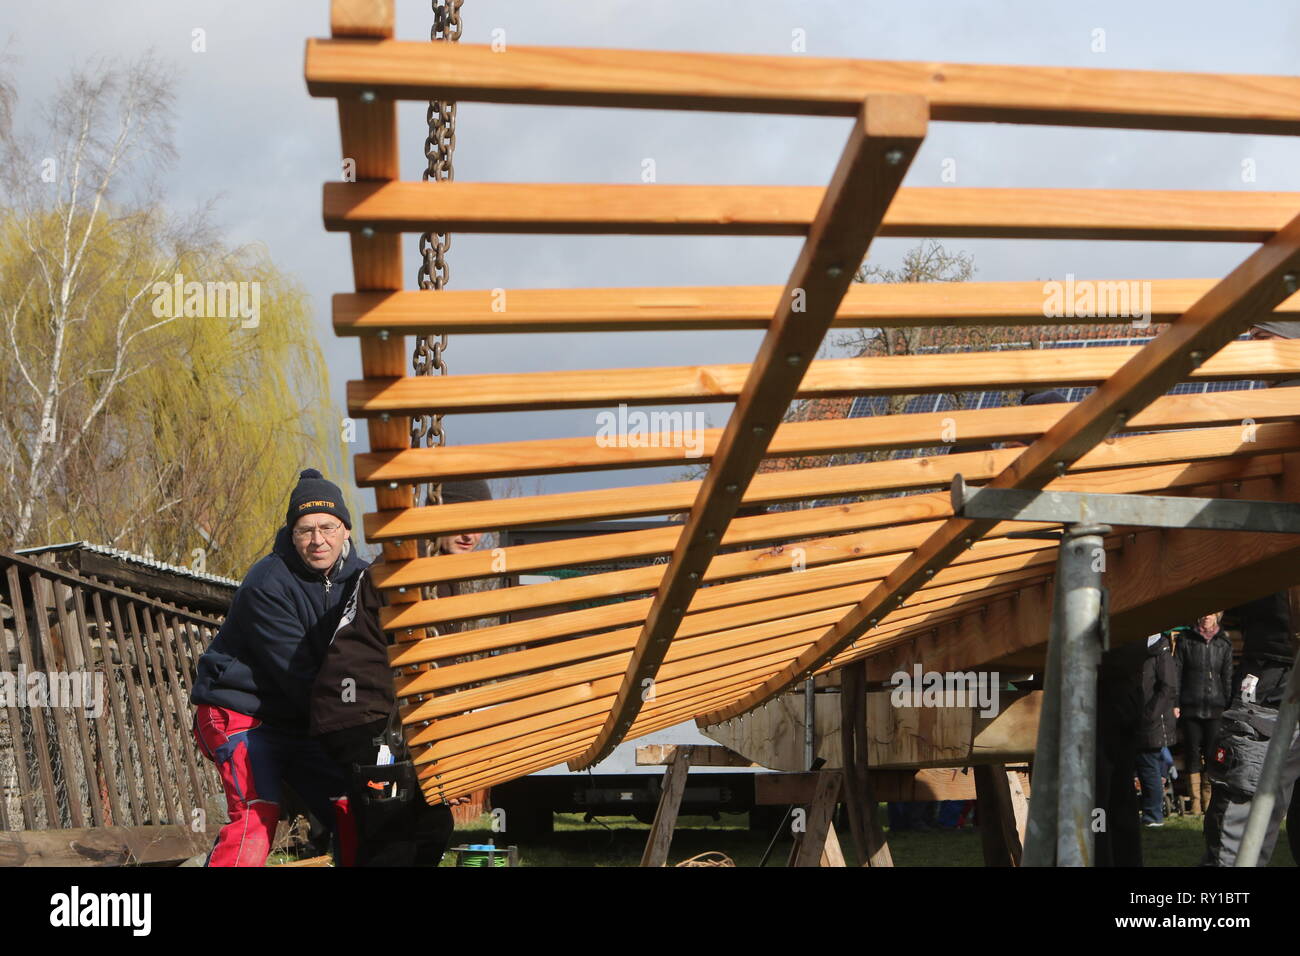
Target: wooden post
(808, 848)
(1001, 827)
(661, 832)
(832, 854)
(877, 847)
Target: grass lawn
(618, 841)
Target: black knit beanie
(316, 495)
(454, 492)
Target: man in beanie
(354, 712)
(253, 682)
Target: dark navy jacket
(265, 657)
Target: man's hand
(1177, 713)
(458, 801)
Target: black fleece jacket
(265, 657)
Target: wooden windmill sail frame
(888, 579)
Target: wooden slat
(564, 76)
(656, 309)
(74, 660)
(1159, 477)
(1253, 288)
(106, 719)
(135, 798)
(181, 682)
(142, 715)
(883, 375)
(881, 432)
(833, 481)
(1154, 569)
(52, 659)
(26, 658)
(885, 138)
(163, 758)
(1151, 215)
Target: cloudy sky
(249, 135)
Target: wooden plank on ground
(102, 846)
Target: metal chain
(427, 430)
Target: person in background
(1268, 627)
(1157, 728)
(252, 684)
(354, 716)
(1204, 671)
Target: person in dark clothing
(1156, 733)
(1268, 653)
(253, 683)
(1119, 721)
(354, 716)
(1204, 661)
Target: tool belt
(376, 781)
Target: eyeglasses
(326, 531)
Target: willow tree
(132, 416)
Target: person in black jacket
(253, 682)
(1119, 723)
(1204, 661)
(353, 714)
(1156, 731)
(1268, 653)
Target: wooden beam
(661, 831)
(876, 375)
(565, 76)
(101, 846)
(920, 211)
(833, 481)
(1164, 478)
(814, 438)
(1255, 287)
(702, 755)
(368, 140)
(673, 308)
(888, 132)
(1158, 579)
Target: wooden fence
(94, 705)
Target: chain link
(434, 274)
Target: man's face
(1258, 334)
(319, 539)
(1207, 624)
(460, 543)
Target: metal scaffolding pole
(1082, 626)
